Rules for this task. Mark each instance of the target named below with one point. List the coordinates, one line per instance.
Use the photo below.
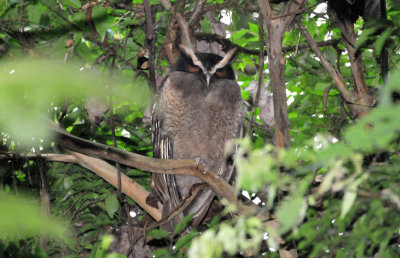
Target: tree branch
(150, 44)
(49, 157)
(85, 152)
(164, 166)
(260, 82)
(102, 169)
(197, 13)
(337, 78)
(227, 44)
(183, 24)
(128, 186)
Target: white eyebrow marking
(195, 59)
(227, 58)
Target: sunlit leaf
(158, 233)
(182, 224)
(72, 3)
(112, 205)
(289, 213)
(365, 36)
(380, 42)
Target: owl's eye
(221, 73)
(193, 69)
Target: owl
(198, 110)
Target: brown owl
(198, 109)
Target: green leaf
(158, 233)
(115, 255)
(206, 24)
(227, 235)
(21, 217)
(182, 224)
(238, 37)
(111, 205)
(290, 213)
(106, 242)
(350, 196)
(72, 3)
(185, 240)
(320, 87)
(253, 27)
(380, 42)
(364, 37)
(164, 253)
(214, 222)
(99, 16)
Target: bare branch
(150, 44)
(227, 44)
(128, 186)
(337, 78)
(102, 169)
(183, 24)
(197, 13)
(49, 157)
(260, 71)
(178, 167)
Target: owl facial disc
(208, 69)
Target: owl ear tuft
(185, 50)
(228, 58)
(189, 53)
(231, 55)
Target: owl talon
(206, 167)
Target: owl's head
(206, 65)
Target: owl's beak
(208, 77)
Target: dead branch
(178, 167)
(49, 157)
(197, 13)
(260, 82)
(337, 78)
(347, 29)
(102, 169)
(227, 44)
(77, 146)
(128, 186)
(183, 24)
(150, 45)
(163, 166)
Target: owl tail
(197, 204)
(168, 211)
(200, 206)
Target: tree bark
(276, 27)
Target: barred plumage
(198, 109)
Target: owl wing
(163, 185)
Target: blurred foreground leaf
(21, 217)
(31, 88)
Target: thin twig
(121, 198)
(227, 44)
(150, 45)
(260, 71)
(183, 24)
(197, 13)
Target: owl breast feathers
(198, 110)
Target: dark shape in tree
(199, 109)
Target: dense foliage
(334, 192)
